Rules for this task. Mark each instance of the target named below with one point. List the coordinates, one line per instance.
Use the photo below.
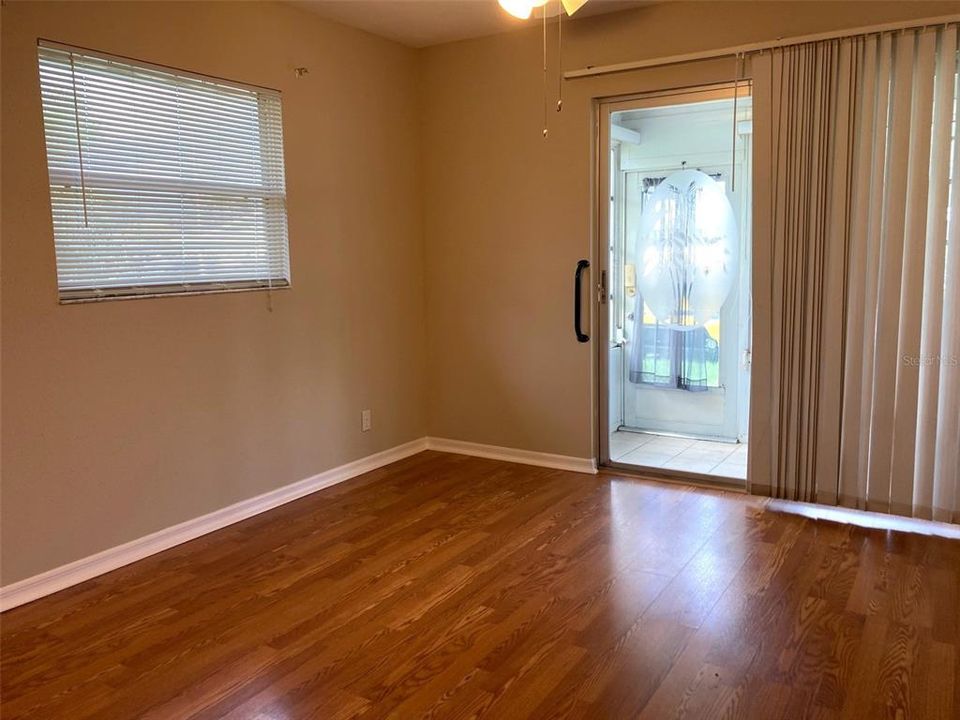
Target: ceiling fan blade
(571, 6)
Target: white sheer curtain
(857, 396)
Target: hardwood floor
(447, 586)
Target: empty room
(480, 359)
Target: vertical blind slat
(946, 491)
(911, 282)
(933, 276)
(891, 264)
(853, 475)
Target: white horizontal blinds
(160, 181)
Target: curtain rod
(594, 70)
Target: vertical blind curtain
(864, 222)
(160, 181)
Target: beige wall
(508, 215)
(121, 418)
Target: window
(161, 181)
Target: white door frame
(603, 108)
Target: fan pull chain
(559, 55)
(544, 23)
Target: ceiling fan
(523, 8)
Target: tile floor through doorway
(708, 457)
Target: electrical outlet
(365, 420)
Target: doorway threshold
(653, 451)
(674, 477)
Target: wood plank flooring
(452, 587)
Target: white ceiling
(419, 23)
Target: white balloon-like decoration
(687, 250)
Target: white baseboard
(90, 567)
(86, 568)
(526, 457)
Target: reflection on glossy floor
(447, 586)
(708, 457)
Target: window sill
(170, 294)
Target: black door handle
(581, 266)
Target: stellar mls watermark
(950, 361)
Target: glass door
(675, 258)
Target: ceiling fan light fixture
(521, 8)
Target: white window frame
(215, 199)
